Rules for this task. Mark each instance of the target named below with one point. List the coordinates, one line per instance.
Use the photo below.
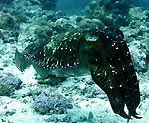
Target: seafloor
(23, 96)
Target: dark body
(103, 54)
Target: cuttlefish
(101, 53)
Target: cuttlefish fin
(21, 62)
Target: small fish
(103, 54)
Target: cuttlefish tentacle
(115, 98)
(97, 56)
(122, 64)
(111, 54)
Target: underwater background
(25, 97)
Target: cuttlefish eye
(91, 36)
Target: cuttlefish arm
(109, 61)
(124, 71)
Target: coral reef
(8, 28)
(118, 9)
(137, 37)
(139, 56)
(8, 83)
(94, 11)
(48, 4)
(110, 12)
(51, 104)
(90, 24)
(6, 21)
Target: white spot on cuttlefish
(116, 48)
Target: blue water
(141, 3)
(77, 7)
(72, 6)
